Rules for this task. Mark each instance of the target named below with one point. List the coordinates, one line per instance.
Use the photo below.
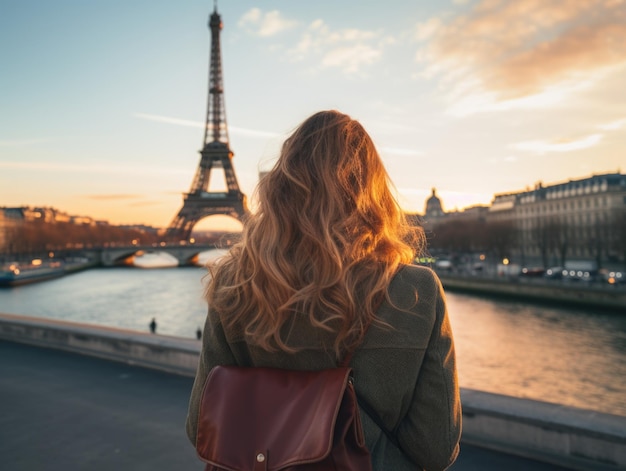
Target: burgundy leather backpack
(280, 420)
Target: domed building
(434, 209)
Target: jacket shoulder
(415, 279)
(418, 273)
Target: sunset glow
(103, 104)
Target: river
(561, 355)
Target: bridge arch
(120, 257)
(186, 254)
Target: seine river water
(566, 356)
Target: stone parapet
(567, 436)
(171, 354)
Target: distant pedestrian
(199, 333)
(153, 326)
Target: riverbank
(35, 271)
(578, 294)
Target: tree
(540, 238)
(561, 238)
(617, 234)
(458, 236)
(501, 237)
(38, 238)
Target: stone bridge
(185, 254)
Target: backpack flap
(268, 418)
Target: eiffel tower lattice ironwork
(200, 202)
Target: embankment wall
(573, 293)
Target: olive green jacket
(407, 373)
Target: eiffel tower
(200, 202)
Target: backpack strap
(374, 416)
(369, 410)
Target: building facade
(10, 220)
(582, 219)
(578, 219)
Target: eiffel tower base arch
(201, 205)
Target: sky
(103, 102)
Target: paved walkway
(62, 411)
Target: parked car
(616, 277)
(533, 271)
(443, 265)
(554, 273)
(579, 275)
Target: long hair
(325, 242)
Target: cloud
(508, 52)
(351, 58)
(347, 49)
(98, 169)
(508, 159)
(144, 203)
(112, 196)
(197, 124)
(558, 145)
(569, 144)
(252, 132)
(168, 120)
(613, 125)
(265, 24)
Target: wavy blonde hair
(325, 242)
